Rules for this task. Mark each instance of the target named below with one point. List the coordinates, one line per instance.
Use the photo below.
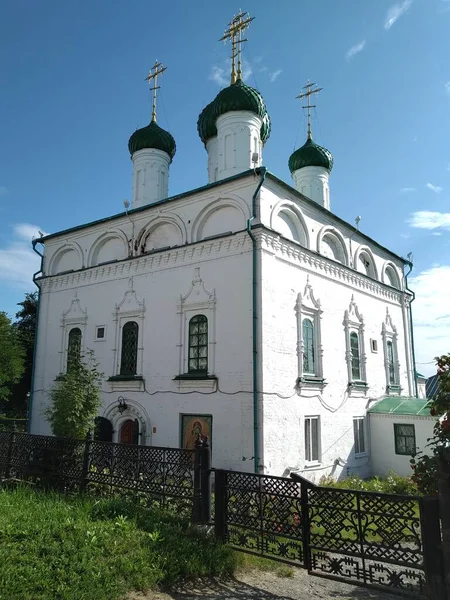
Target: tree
(25, 326)
(75, 398)
(11, 357)
(428, 466)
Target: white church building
(245, 309)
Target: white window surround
(307, 307)
(357, 431)
(354, 322)
(100, 339)
(74, 317)
(389, 334)
(314, 444)
(391, 276)
(197, 301)
(129, 309)
(331, 244)
(368, 267)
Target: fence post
(197, 503)
(86, 461)
(220, 505)
(444, 513)
(12, 441)
(432, 548)
(205, 481)
(304, 520)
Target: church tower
(235, 126)
(311, 165)
(152, 150)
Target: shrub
(391, 484)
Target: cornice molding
(302, 257)
(157, 261)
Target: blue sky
(73, 91)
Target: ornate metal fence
(164, 475)
(260, 514)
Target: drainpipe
(33, 368)
(262, 174)
(411, 328)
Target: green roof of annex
(398, 405)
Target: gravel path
(268, 586)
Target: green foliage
(11, 357)
(249, 562)
(391, 484)
(25, 326)
(426, 465)
(65, 548)
(75, 398)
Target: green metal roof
(310, 155)
(398, 405)
(237, 96)
(152, 136)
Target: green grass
(60, 548)
(391, 484)
(249, 562)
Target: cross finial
(234, 31)
(156, 70)
(309, 92)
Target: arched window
(391, 363)
(366, 265)
(128, 358)
(391, 277)
(308, 347)
(355, 358)
(73, 347)
(331, 247)
(198, 344)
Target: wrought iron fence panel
(263, 516)
(5, 441)
(57, 462)
(372, 538)
(162, 472)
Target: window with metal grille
(391, 363)
(355, 357)
(309, 366)
(405, 439)
(198, 344)
(358, 432)
(312, 443)
(73, 347)
(128, 358)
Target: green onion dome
(152, 136)
(237, 96)
(310, 155)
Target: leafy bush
(391, 484)
(55, 547)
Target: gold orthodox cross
(156, 70)
(234, 31)
(309, 92)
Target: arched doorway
(129, 432)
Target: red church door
(129, 432)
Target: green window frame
(355, 356)
(73, 347)
(309, 358)
(129, 351)
(198, 345)
(405, 439)
(391, 362)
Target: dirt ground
(262, 585)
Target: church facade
(244, 310)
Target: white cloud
(434, 188)
(437, 233)
(395, 12)
(218, 76)
(273, 76)
(247, 70)
(447, 87)
(355, 49)
(3, 190)
(427, 219)
(448, 167)
(407, 190)
(18, 262)
(431, 315)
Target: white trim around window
(312, 433)
(355, 354)
(391, 362)
(359, 436)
